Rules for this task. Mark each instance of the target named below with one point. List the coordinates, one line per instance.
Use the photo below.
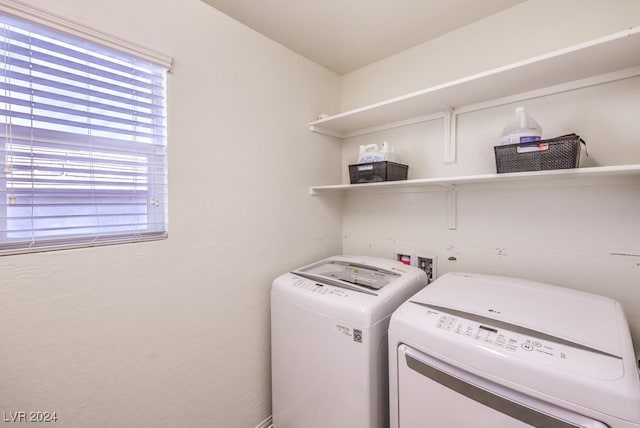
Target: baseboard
(267, 423)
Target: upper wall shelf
(605, 59)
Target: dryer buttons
(527, 347)
(446, 323)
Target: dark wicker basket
(373, 172)
(555, 153)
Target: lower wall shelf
(450, 184)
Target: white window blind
(82, 142)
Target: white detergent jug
(521, 128)
(374, 153)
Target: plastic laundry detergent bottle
(521, 128)
(374, 153)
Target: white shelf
(450, 183)
(605, 59)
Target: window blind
(82, 142)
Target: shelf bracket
(452, 206)
(450, 137)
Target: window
(82, 142)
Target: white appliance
(329, 323)
(485, 351)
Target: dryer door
(432, 393)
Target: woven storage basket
(373, 172)
(555, 153)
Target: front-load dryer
(485, 351)
(329, 323)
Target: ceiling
(344, 35)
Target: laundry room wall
(175, 333)
(581, 234)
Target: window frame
(55, 23)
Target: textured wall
(176, 333)
(532, 28)
(583, 235)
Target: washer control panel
(310, 286)
(316, 288)
(520, 343)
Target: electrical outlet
(428, 264)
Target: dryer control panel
(497, 338)
(518, 342)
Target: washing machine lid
(583, 319)
(347, 274)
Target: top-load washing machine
(485, 351)
(329, 323)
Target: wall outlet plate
(429, 264)
(423, 260)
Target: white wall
(528, 29)
(176, 333)
(584, 235)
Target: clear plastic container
(374, 153)
(521, 128)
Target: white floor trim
(267, 423)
